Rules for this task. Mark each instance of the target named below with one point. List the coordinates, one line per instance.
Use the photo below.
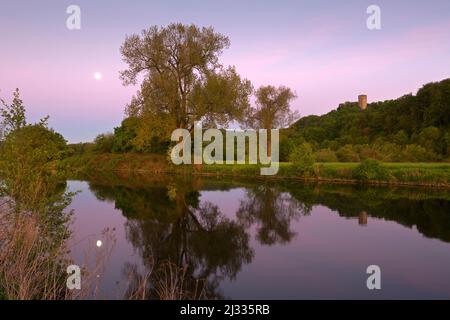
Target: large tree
(273, 110)
(182, 80)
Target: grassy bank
(420, 174)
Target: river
(263, 240)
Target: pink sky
(321, 49)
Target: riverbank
(408, 174)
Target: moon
(98, 76)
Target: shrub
(389, 152)
(347, 154)
(124, 135)
(326, 155)
(370, 169)
(415, 153)
(302, 157)
(25, 163)
(286, 147)
(79, 149)
(104, 143)
(32, 266)
(368, 152)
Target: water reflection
(167, 219)
(426, 209)
(272, 211)
(167, 222)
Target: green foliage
(272, 108)
(80, 149)
(326, 155)
(286, 148)
(347, 153)
(370, 169)
(432, 139)
(183, 82)
(288, 143)
(124, 135)
(415, 153)
(25, 159)
(104, 143)
(31, 147)
(400, 138)
(389, 130)
(302, 157)
(13, 115)
(29, 156)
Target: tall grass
(168, 281)
(34, 268)
(31, 267)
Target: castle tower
(362, 101)
(362, 218)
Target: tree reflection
(168, 223)
(426, 209)
(272, 211)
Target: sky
(321, 49)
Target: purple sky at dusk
(321, 49)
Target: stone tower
(362, 101)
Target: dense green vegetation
(409, 129)
(182, 81)
(401, 132)
(405, 141)
(425, 174)
(33, 199)
(412, 128)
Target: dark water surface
(265, 240)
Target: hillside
(410, 128)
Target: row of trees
(182, 81)
(411, 128)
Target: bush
(104, 143)
(302, 157)
(124, 135)
(347, 154)
(370, 169)
(326, 155)
(286, 147)
(79, 149)
(368, 152)
(415, 153)
(32, 266)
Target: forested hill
(420, 121)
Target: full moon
(97, 76)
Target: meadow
(420, 174)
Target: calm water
(256, 240)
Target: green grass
(428, 174)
